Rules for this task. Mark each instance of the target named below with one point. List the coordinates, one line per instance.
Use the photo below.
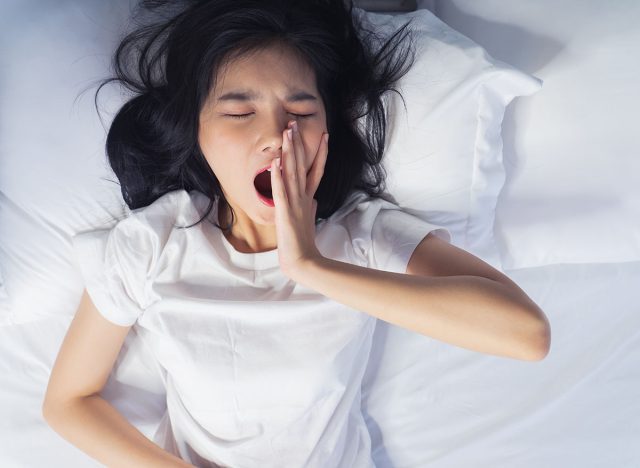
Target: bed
(517, 137)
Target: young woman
(260, 312)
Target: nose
(272, 137)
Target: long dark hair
(170, 64)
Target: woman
(261, 318)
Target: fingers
(278, 191)
(294, 177)
(298, 148)
(290, 167)
(317, 168)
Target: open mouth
(262, 183)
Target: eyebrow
(245, 96)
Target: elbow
(48, 410)
(55, 409)
(539, 352)
(540, 339)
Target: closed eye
(244, 116)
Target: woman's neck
(246, 236)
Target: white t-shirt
(259, 371)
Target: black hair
(170, 65)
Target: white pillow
(54, 179)
(443, 157)
(444, 153)
(572, 193)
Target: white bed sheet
(578, 407)
(428, 404)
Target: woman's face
(265, 90)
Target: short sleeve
(386, 236)
(115, 265)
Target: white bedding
(566, 230)
(576, 138)
(428, 404)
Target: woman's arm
(98, 429)
(72, 404)
(450, 295)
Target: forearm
(98, 429)
(472, 312)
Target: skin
(446, 292)
(236, 148)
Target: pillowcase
(54, 178)
(443, 156)
(444, 152)
(572, 195)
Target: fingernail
(289, 134)
(326, 138)
(294, 126)
(278, 163)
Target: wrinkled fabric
(259, 371)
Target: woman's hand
(293, 192)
